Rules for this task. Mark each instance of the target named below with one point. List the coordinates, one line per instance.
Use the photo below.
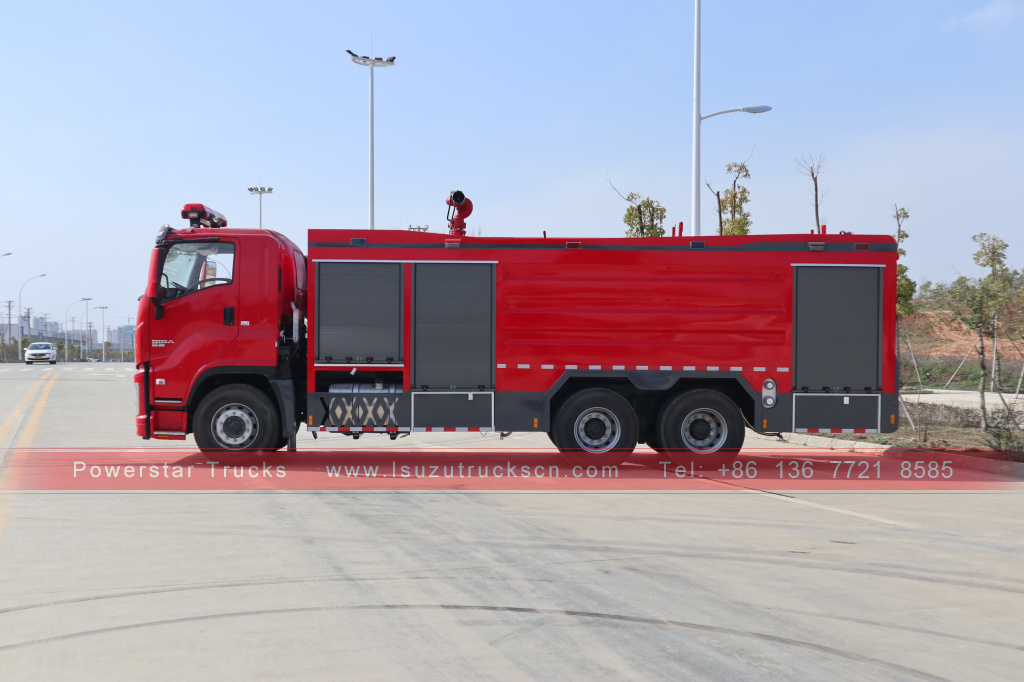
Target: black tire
(701, 422)
(53, 362)
(236, 418)
(27, 362)
(595, 426)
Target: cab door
(195, 319)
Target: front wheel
(702, 422)
(595, 426)
(236, 418)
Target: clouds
(996, 14)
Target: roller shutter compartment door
(359, 312)
(838, 328)
(453, 325)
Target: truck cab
(221, 310)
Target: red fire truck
(677, 342)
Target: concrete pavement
(742, 586)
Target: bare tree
(718, 204)
(813, 166)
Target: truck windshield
(193, 266)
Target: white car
(40, 352)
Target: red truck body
(601, 343)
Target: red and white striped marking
(359, 429)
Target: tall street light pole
(19, 314)
(103, 327)
(66, 311)
(261, 191)
(88, 334)
(697, 118)
(372, 63)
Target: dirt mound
(934, 334)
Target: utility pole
(28, 324)
(103, 325)
(73, 318)
(10, 304)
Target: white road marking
(796, 500)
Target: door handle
(229, 315)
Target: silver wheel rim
(704, 430)
(235, 426)
(597, 430)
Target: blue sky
(113, 115)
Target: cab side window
(191, 267)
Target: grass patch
(951, 429)
(936, 371)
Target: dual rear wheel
(598, 426)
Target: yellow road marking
(28, 434)
(5, 428)
(16, 465)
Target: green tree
(733, 202)
(644, 217)
(905, 287)
(976, 302)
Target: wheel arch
(278, 391)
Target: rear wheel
(236, 418)
(702, 422)
(595, 426)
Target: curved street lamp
(19, 313)
(697, 118)
(66, 310)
